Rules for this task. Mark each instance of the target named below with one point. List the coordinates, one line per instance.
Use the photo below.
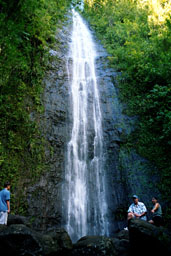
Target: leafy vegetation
(28, 27)
(137, 35)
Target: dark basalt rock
(142, 237)
(45, 197)
(63, 240)
(123, 234)
(121, 246)
(121, 243)
(94, 245)
(147, 238)
(21, 240)
(18, 219)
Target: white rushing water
(84, 188)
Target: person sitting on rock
(137, 209)
(157, 219)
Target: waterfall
(84, 187)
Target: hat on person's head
(134, 196)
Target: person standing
(137, 209)
(157, 219)
(4, 203)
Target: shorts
(3, 218)
(158, 221)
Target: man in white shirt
(137, 209)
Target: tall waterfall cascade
(84, 186)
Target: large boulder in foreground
(121, 243)
(21, 240)
(62, 241)
(149, 239)
(94, 245)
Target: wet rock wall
(127, 173)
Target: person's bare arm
(155, 208)
(140, 215)
(8, 205)
(143, 214)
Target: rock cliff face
(44, 198)
(127, 173)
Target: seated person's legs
(130, 215)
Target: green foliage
(137, 35)
(27, 29)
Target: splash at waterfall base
(125, 171)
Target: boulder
(94, 245)
(62, 241)
(2, 228)
(17, 219)
(121, 246)
(121, 243)
(21, 240)
(149, 239)
(123, 234)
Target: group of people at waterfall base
(136, 209)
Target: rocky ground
(142, 238)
